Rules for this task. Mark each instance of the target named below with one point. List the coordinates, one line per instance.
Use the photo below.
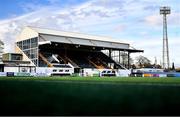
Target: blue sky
(134, 21)
(12, 8)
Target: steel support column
(128, 60)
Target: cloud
(31, 6)
(120, 28)
(44, 17)
(53, 1)
(153, 48)
(173, 19)
(154, 20)
(130, 20)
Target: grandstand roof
(75, 35)
(49, 35)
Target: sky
(137, 22)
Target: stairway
(67, 59)
(72, 63)
(97, 66)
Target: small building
(13, 62)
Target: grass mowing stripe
(110, 83)
(100, 79)
(68, 97)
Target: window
(30, 48)
(34, 61)
(19, 44)
(60, 70)
(27, 52)
(25, 45)
(34, 42)
(54, 70)
(16, 57)
(28, 43)
(66, 70)
(33, 53)
(24, 69)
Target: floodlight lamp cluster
(165, 10)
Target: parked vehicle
(108, 72)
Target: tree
(125, 59)
(178, 69)
(142, 61)
(133, 66)
(158, 66)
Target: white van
(108, 72)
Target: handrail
(65, 59)
(45, 60)
(98, 67)
(72, 62)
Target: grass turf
(89, 96)
(152, 80)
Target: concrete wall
(26, 34)
(49, 70)
(11, 69)
(90, 72)
(6, 56)
(19, 69)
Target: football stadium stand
(58, 50)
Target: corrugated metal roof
(86, 42)
(75, 35)
(49, 35)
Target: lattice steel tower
(165, 11)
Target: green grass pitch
(154, 80)
(89, 96)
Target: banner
(3, 74)
(10, 74)
(42, 74)
(21, 74)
